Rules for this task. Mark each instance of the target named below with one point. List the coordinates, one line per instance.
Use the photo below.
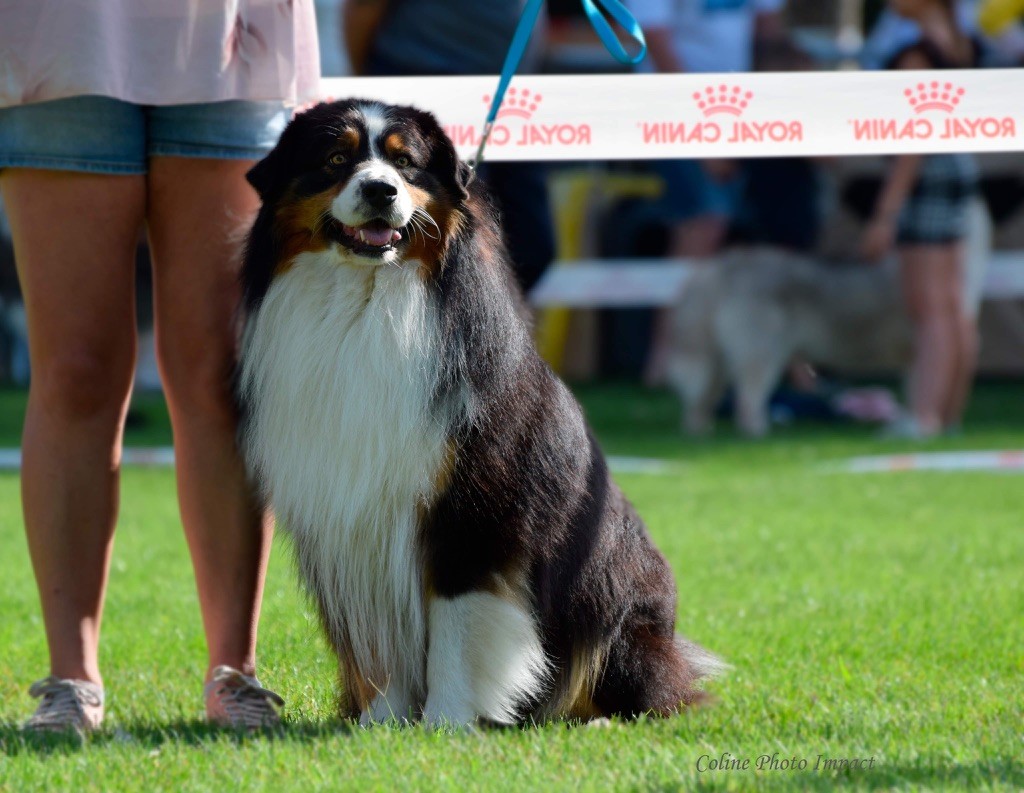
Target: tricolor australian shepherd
(452, 514)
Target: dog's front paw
(448, 716)
(386, 709)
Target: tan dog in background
(746, 315)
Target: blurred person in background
(115, 113)
(892, 33)
(923, 210)
(462, 37)
(704, 36)
(781, 201)
(701, 197)
(993, 22)
(333, 58)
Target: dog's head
(374, 183)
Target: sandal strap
(63, 703)
(245, 700)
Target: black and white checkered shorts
(936, 211)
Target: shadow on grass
(152, 735)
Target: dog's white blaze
(339, 367)
(376, 119)
(485, 660)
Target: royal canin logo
(521, 104)
(723, 99)
(514, 125)
(933, 96)
(713, 102)
(936, 105)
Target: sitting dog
(451, 512)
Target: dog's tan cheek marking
(431, 251)
(301, 226)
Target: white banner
(664, 116)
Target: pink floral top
(158, 52)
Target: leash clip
(479, 157)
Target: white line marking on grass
(163, 456)
(142, 456)
(642, 465)
(1010, 460)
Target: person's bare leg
(966, 329)
(197, 211)
(74, 241)
(925, 273)
(697, 238)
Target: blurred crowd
(912, 211)
(920, 213)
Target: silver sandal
(66, 705)
(234, 699)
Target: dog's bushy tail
(704, 663)
(655, 673)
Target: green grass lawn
(875, 616)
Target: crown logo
(934, 96)
(723, 99)
(518, 103)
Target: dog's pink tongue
(379, 236)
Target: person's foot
(66, 705)
(234, 699)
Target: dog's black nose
(379, 194)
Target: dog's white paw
(390, 708)
(448, 716)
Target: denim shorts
(97, 134)
(690, 191)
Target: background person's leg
(198, 209)
(966, 327)
(74, 239)
(926, 274)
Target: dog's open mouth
(374, 238)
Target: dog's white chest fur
(338, 370)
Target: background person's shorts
(938, 209)
(690, 191)
(96, 134)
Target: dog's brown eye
(402, 161)
(337, 158)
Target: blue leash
(521, 38)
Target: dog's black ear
(444, 160)
(265, 175)
(458, 172)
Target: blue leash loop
(521, 38)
